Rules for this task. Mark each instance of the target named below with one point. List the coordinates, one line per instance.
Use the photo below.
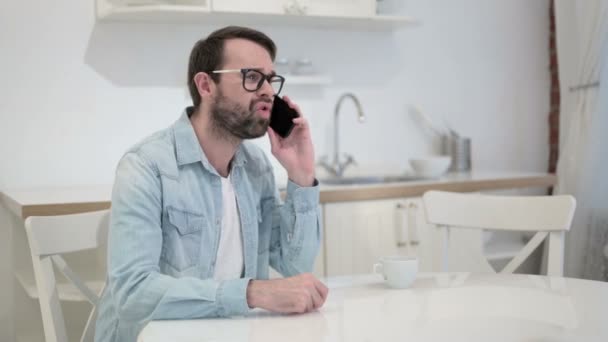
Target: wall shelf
(202, 15)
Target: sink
(368, 180)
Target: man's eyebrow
(272, 73)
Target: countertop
(457, 182)
(68, 200)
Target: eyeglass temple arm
(225, 71)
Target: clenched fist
(298, 294)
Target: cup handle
(378, 268)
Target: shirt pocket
(182, 238)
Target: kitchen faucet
(336, 167)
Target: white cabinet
(358, 233)
(345, 8)
(329, 14)
(353, 8)
(248, 6)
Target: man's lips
(264, 108)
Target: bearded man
(196, 218)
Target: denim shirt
(165, 230)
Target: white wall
(74, 94)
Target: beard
(229, 117)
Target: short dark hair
(208, 53)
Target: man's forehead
(245, 53)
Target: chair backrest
(549, 216)
(50, 236)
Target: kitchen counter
(68, 200)
(457, 182)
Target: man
(196, 217)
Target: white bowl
(431, 167)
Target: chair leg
(88, 334)
(446, 247)
(555, 259)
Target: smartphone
(281, 117)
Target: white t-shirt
(229, 261)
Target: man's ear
(204, 84)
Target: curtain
(582, 39)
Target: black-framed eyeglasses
(253, 79)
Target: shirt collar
(187, 148)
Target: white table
(438, 307)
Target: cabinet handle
(407, 230)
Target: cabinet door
(248, 6)
(346, 8)
(357, 234)
(342, 8)
(415, 236)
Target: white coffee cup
(398, 271)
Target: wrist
(303, 180)
(252, 294)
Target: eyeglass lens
(254, 79)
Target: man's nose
(266, 89)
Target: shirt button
(289, 236)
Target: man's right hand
(298, 294)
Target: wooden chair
(549, 216)
(50, 236)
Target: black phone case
(281, 117)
